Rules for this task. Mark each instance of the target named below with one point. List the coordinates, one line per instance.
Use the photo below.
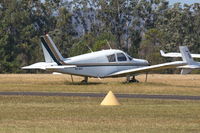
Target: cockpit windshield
(121, 57)
(129, 57)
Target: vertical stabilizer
(162, 53)
(47, 56)
(50, 50)
(186, 56)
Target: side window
(111, 58)
(121, 57)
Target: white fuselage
(102, 63)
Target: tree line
(139, 27)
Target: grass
(83, 115)
(31, 114)
(157, 84)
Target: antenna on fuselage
(89, 48)
(108, 44)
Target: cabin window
(111, 58)
(121, 57)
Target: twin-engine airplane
(191, 64)
(100, 64)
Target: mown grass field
(157, 84)
(24, 114)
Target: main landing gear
(131, 79)
(85, 80)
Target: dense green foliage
(139, 27)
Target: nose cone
(141, 62)
(145, 63)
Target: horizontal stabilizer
(169, 54)
(47, 66)
(176, 54)
(39, 65)
(60, 67)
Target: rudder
(186, 56)
(50, 50)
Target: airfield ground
(22, 114)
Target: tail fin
(50, 50)
(162, 53)
(186, 56)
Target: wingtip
(25, 67)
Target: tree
(179, 26)
(64, 32)
(22, 23)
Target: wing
(177, 54)
(148, 68)
(185, 54)
(47, 66)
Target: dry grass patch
(157, 84)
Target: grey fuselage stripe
(106, 64)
